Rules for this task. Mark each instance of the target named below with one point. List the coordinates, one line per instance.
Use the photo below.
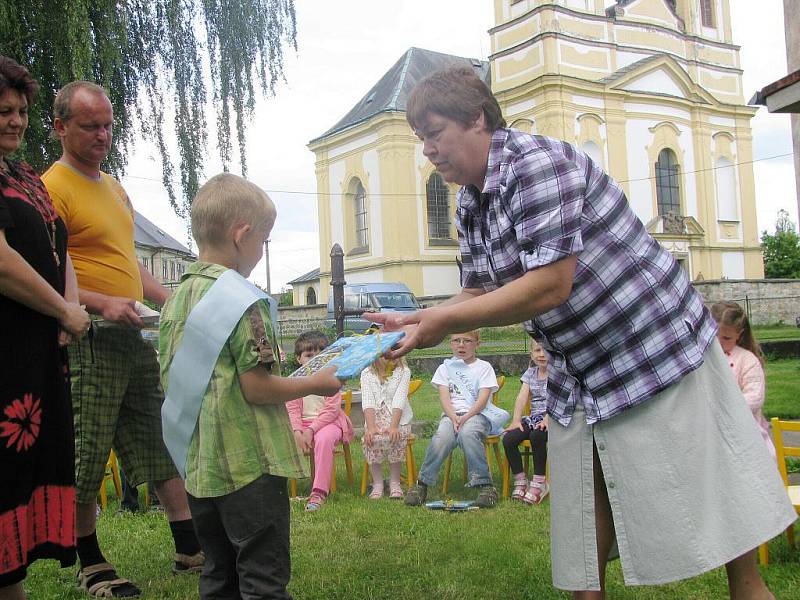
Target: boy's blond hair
(224, 202)
(476, 333)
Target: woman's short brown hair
(456, 93)
(13, 76)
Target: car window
(395, 300)
(351, 301)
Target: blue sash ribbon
(462, 378)
(208, 326)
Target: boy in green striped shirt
(242, 449)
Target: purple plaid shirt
(633, 325)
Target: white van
(372, 297)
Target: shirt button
(611, 485)
(601, 446)
(731, 364)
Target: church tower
(652, 91)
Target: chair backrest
(501, 381)
(348, 401)
(782, 450)
(413, 386)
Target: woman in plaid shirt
(643, 407)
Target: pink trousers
(325, 441)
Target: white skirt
(689, 478)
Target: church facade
(650, 89)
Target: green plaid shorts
(116, 402)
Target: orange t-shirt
(99, 219)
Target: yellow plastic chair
(111, 473)
(342, 449)
(782, 452)
(492, 442)
(411, 466)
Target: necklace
(51, 234)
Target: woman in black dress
(39, 313)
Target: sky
(344, 47)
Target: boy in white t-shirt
(466, 384)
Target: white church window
(594, 152)
(438, 199)
(360, 213)
(725, 176)
(668, 187)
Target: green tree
(781, 250)
(150, 58)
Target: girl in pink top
(745, 358)
(318, 422)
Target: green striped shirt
(235, 442)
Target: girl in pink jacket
(318, 422)
(745, 358)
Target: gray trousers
(245, 537)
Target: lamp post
(266, 255)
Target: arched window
(438, 196)
(668, 187)
(311, 296)
(360, 213)
(707, 13)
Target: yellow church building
(650, 89)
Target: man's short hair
(314, 341)
(456, 93)
(225, 201)
(13, 76)
(62, 105)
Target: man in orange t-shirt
(115, 376)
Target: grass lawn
(357, 549)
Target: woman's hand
(74, 320)
(542, 425)
(423, 329)
(394, 434)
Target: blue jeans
(470, 437)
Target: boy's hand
(326, 382)
(514, 425)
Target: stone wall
(293, 320)
(766, 301)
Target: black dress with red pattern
(37, 493)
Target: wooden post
(337, 282)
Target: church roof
(392, 90)
(611, 10)
(618, 74)
(147, 233)
(310, 276)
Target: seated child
(533, 428)
(466, 384)
(318, 422)
(241, 450)
(387, 421)
(745, 358)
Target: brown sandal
(112, 586)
